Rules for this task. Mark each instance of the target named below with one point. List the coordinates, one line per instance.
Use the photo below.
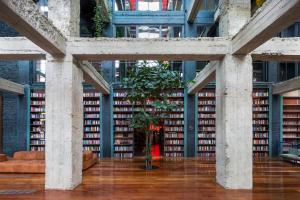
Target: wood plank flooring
(174, 179)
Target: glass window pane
(291, 70)
(120, 31)
(171, 31)
(172, 5)
(40, 71)
(125, 5)
(282, 71)
(258, 72)
(148, 32)
(148, 5)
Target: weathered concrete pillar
(65, 15)
(233, 16)
(234, 104)
(64, 105)
(234, 122)
(64, 123)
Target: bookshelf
(174, 127)
(124, 135)
(37, 120)
(207, 125)
(291, 123)
(92, 121)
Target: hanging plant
(98, 19)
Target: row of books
(37, 109)
(174, 142)
(37, 103)
(260, 94)
(123, 148)
(174, 148)
(37, 129)
(92, 129)
(123, 128)
(91, 109)
(37, 136)
(260, 148)
(91, 135)
(260, 101)
(87, 142)
(38, 116)
(91, 94)
(297, 116)
(91, 122)
(173, 122)
(124, 142)
(174, 129)
(92, 116)
(86, 103)
(37, 95)
(174, 135)
(37, 142)
(207, 102)
(260, 141)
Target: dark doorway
(157, 144)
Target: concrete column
(65, 15)
(64, 105)
(233, 16)
(234, 122)
(64, 123)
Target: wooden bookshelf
(174, 127)
(291, 123)
(207, 127)
(37, 120)
(92, 127)
(92, 122)
(124, 135)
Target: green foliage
(148, 86)
(151, 83)
(99, 21)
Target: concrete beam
(279, 49)
(24, 16)
(92, 76)
(270, 19)
(195, 6)
(9, 86)
(152, 49)
(19, 48)
(207, 75)
(287, 86)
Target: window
(40, 71)
(125, 5)
(171, 31)
(126, 31)
(148, 5)
(172, 5)
(211, 4)
(259, 71)
(146, 31)
(286, 71)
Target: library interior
(150, 99)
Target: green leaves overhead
(149, 84)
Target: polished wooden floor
(181, 179)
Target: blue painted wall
(14, 108)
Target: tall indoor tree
(148, 85)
